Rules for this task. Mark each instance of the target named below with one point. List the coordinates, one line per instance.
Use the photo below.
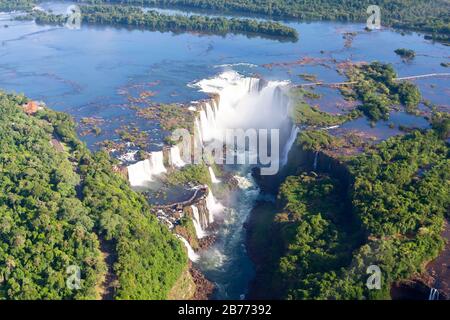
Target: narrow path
(106, 289)
(337, 84)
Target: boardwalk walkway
(338, 84)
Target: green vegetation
(12, 5)
(315, 140)
(421, 15)
(409, 95)
(441, 124)
(133, 135)
(431, 17)
(190, 174)
(152, 20)
(406, 54)
(57, 206)
(170, 116)
(184, 288)
(186, 229)
(375, 86)
(304, 114)
(393, 216)
(150, 259)
(313, 233)
(308, 77)
(44, 226)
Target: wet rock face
(204, 288)
(207, 242)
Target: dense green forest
(58, 206)
(152, 20)
(11, 5)
(325, 238)
(423, 15)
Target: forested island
(63, 205)
(376, 87)
(406, 54)
(432, 17)
(152, 20)
(12, 5)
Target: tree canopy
(56, 206)
(325, 238)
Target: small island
(406, 54)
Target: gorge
(236, 102)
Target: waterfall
(141, 173)
(206, 130)
(213, 176)
(191, 253)
(197, 223)
(198, 133)
(434, 294)
(293, 136)
(210, 115)
(316, 156)
(162, 217)
(175, 157)
(214, 207)
(157, 160)
(243, 103)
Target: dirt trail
(106, 289)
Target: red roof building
(31, 107)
